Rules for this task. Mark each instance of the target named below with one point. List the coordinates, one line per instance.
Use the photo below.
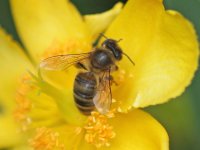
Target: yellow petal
(22, 147)
(73, 135)
(49, 26)
(13, 64)
(97, 23)
(164, 47)
(9, 135)
(136, 130)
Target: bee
(92, 85)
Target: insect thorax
(102, 59)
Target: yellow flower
(162, 43)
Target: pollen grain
(23, 105)
(98, 131)
(46, 139)
(60, 49)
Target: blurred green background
(180, 117)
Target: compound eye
(118, 55)
(109, 42)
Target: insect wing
(103, 96)
(62, 62)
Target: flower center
(23, 104)
(72, 46)
(46, 139)
(98, 130)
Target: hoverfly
(92, 87)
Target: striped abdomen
(84, 91)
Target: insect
(92, 85)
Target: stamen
(78, 130)
(98, 130)
(46, 139)
(23, 104)
(74, 46)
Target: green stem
(64, 100)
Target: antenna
(119, 40)
(129, 58)
(101, 34)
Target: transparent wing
(103, 96)
(62, 62)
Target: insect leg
(110, 84)
(113, 81)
